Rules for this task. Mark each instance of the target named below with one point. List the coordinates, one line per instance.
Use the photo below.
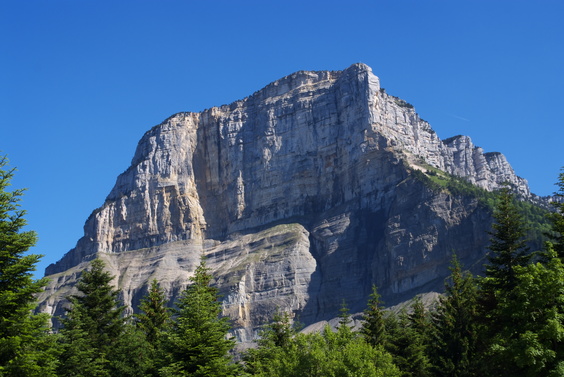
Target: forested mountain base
(509, 322)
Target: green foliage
(155, 316)
(508, 246)
(510, 322)
(198, 343)
(152, 324)
(344, 316)
(133, 355)
(454, 336)
(521, 303)
(25, 349)
(327, 354)
(530, 341)
(409, 339)
(538, 225)
(273, 337)
(402, 103)
(278, 333)
(374, 326)
(557, 218)
(438, 180)
(93, 326)
(508, 250)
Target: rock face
(300, 195)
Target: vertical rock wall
(301, 195)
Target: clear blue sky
(82, 80)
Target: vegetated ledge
(534, 214)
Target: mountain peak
(301, 195)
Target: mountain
(302, 195)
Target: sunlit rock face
(301, 195)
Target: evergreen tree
(530, 341)
(155, 316)
(344, 316)
(279, 332)
(80, 358)
(419, 318)
(198, 343)
(133, 355)
(509, 255)
(374, 326)
(408, 345)
(454, 337)
(25, 346)
(152, 324)
(508, 247)
(409, 338)
(557, 218)
(418, 335)
(93, 326)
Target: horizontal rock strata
(300, 195)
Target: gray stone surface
(301, 195)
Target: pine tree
(133, 355)
(454, 337)
(151, 326)
(508, 247)
(418, 335)
(557, 218)
(25, 349)
(93, 325)
(344, 316)
(278, 332)
(508, 253)
(198, 343)
(408, 341)
(374, 326)
(530, 341)
(155, 316)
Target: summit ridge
(300, 195)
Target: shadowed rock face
(300, 195)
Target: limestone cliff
(300, 195)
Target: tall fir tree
(508, 252)
(408, 334)
(198, 344)
(530, 339)
(454, 335)
(557, 218)
(153, 321)
(418, 347)
(374, 326)
(508, 246)
(154, 316)
(132, 355)
(344, 315)
(93, 325)
(25, 347)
